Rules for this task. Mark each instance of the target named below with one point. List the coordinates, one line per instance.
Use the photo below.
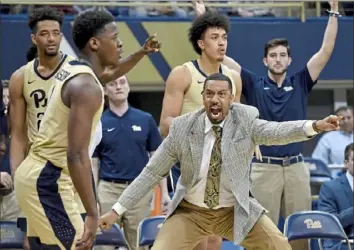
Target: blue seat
(228, 245)
(148, 229)
(11, 237)
(314, 225)
(112, 237)
(319, 171)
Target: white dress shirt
(196, 194)
(350, 179)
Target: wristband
(315, 127)
(333, 13)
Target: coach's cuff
(309, 131)
(119, 208)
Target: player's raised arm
(124, 65)
(19, 138)
(238, 84)
(176, 85)
(317, 63)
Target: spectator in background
(9, 208)
(5, 94)
(250, 11)
(330, 147)
(129, 137)
(336, 197)
(159, 11)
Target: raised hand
(334, 5)
(151, 45)
(199, 7)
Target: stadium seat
(314, 225)
(11, 237)
(112, 237)
(148, 229)
(318, 169)
(228, 245)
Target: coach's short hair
(89, 24)
(210, 19)
(218, 77)
(44, 14)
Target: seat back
(11, 237)
(314, 225)
(112, 237)
(228, 245)
(148, 229)
(317, 168)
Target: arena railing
(180, 3)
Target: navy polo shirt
(287, 103)
(126, 142)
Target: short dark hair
(31, 53)
(349, 148)
(274, 43)
(342, 108)
(209, 19)
(89, 24)
(44, 14)
(218, 77)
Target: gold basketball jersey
(193, 98)
(51, 142)
(35, 91)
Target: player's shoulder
(179, 75)
(18, 74)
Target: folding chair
(112, 237)
(319, 174)
(148, 229)
(319, 171)
(11, 237)
(314, 225)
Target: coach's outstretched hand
(107, 220)
(151, 45)
(329, 123)
(88, 238)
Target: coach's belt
(119, 181)
(286, 161)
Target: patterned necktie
(212, 188)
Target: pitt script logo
(40, 101)
(310, 224)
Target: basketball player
(29, 85)
(60, 155)
(208, 35)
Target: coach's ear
(94, 44)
